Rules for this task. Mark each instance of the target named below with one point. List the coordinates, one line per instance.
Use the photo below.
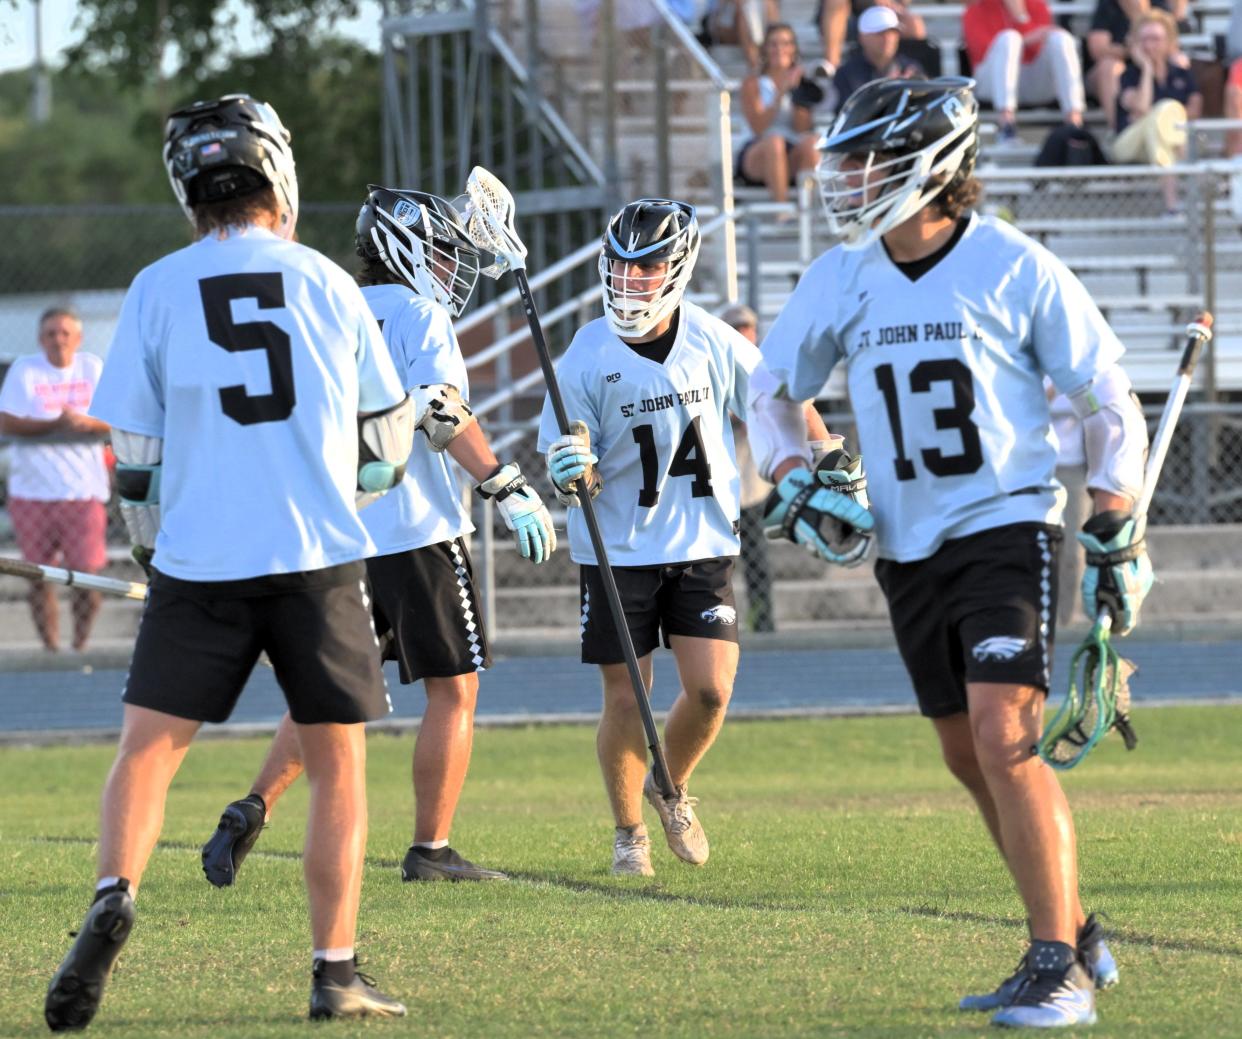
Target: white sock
(106, 882)
(333, 955)
(432, 845)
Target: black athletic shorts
(199, 640)
(694, 599)
(425, 598)
(981, 609)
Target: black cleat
(356, 998)
(77, 986)
(443, 864)
(235, 835)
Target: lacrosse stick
(73, 578)
(489, 224)
(1099, 692)
(107, 585)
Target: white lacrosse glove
(569, 459)
(523, 510)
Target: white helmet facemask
(868, 191)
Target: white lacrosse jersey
(945, 377)
(251, 357)
(36, 388)
(663, 439)
(426, 507)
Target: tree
(132, 38)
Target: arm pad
(138, 470)
(775, 424)
(442, 414)
(384, 442)
(1114, 433)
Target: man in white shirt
(58, 482)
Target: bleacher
(1145, 269)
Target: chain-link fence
(1149, 269)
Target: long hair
(212, 217)
(772, 29)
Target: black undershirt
(915, 269)
(659, 348)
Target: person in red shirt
(1019, 56)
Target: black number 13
(923, 376)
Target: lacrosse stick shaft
(664, 781)
(73, 579)
(1198, 333)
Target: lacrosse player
(418, 273)
(250, 397)
(947, 322)
(648, 388)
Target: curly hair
(959, 196)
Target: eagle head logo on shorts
(999, 647)
(721, 614)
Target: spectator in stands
(756, 567)
(781, 145)
(1157, 97)
(58, 482)
(1108, 44)
(1233, 86)
(836, 26)
(879, 35)
(741, 22)
(1019, 56)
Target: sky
(17, 30)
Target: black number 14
(690, 459)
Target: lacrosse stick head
(489, 216)
(1098, 700)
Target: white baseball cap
(877, 19)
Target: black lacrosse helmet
(230, 147)
(909, 139)
(419, 237)
(647, 232)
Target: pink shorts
(61, 533)
(1235, 74)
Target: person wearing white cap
(879, 33)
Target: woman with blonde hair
(1156, 98)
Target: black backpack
(1068, 145)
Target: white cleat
(681, 826)
(631, 852)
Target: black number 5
(268, 291)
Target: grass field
(851, 892)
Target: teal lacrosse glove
(1118, 574)
(570, 457)
(832, 524)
